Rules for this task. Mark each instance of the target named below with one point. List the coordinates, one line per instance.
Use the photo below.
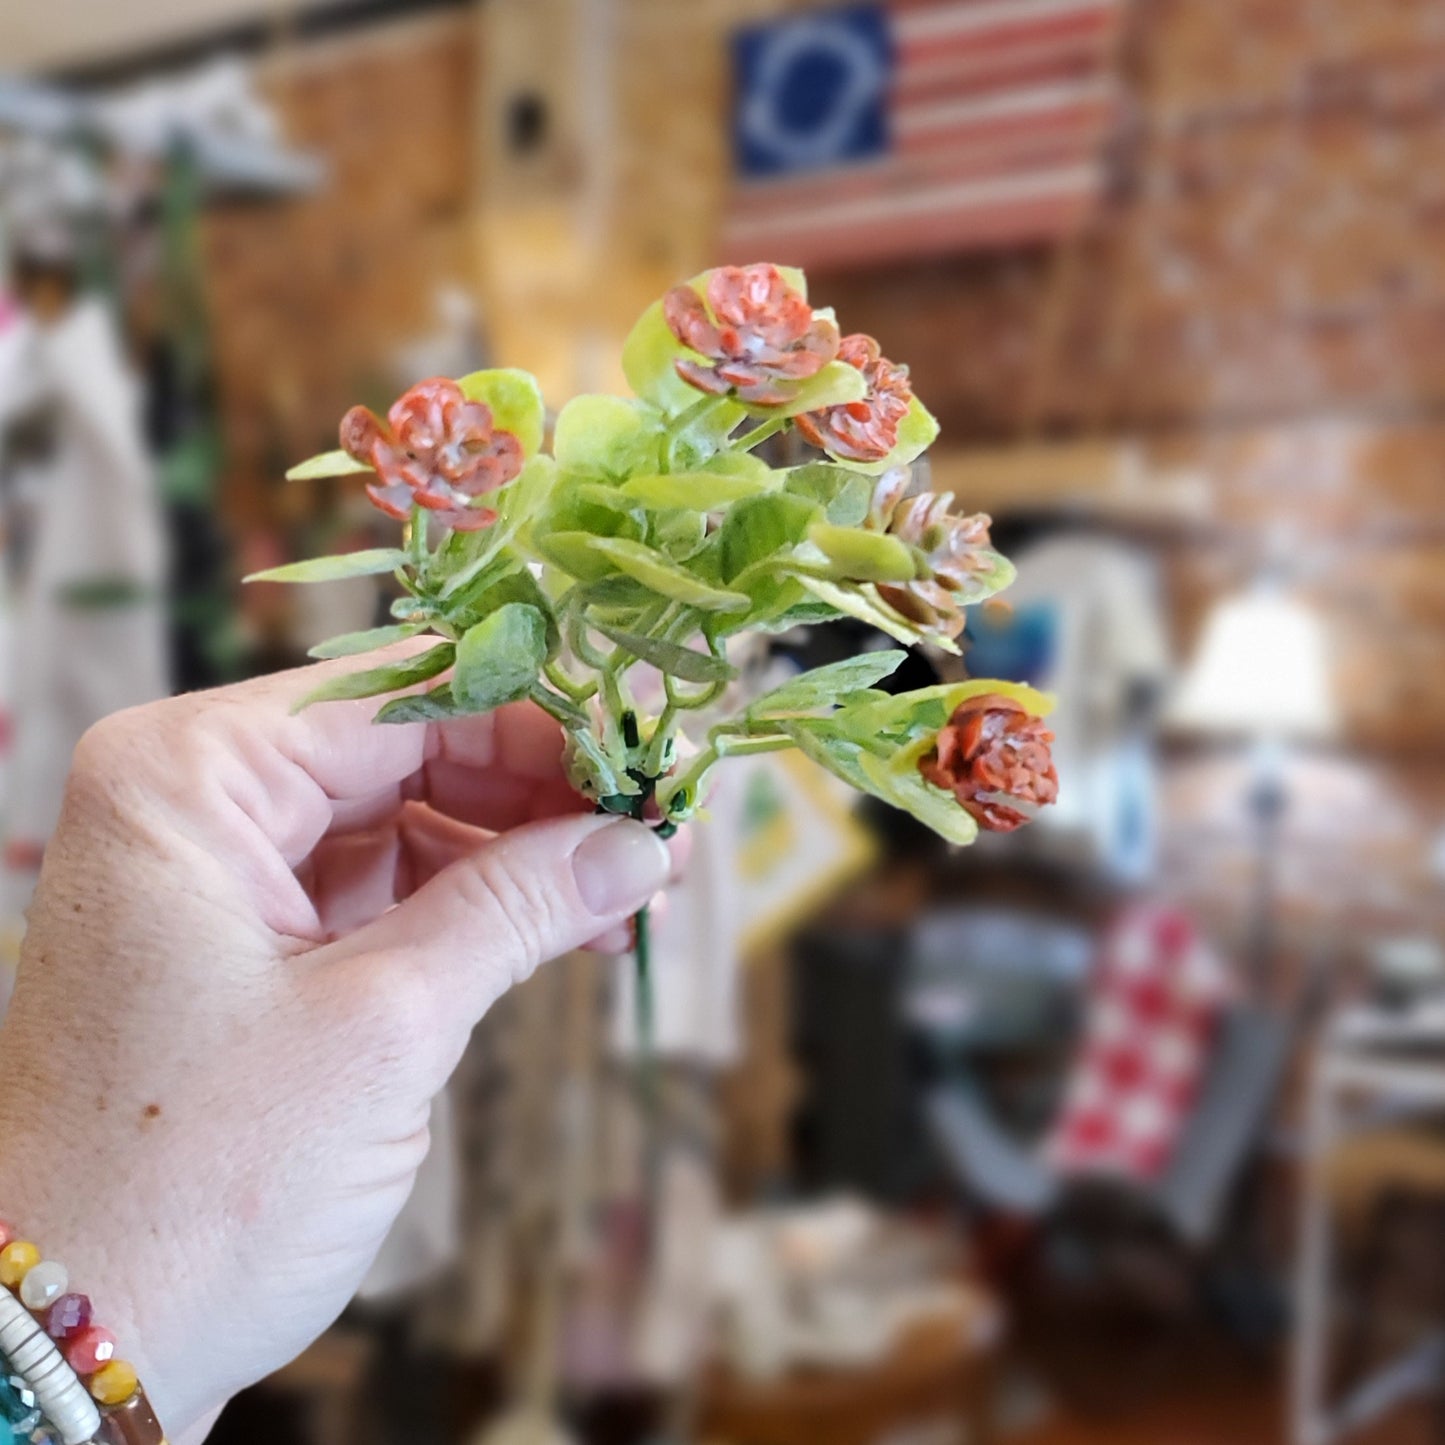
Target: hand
(225, 1038)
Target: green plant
(652, 533)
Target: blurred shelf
(1097, 479)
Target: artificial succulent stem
(760, 434)
(646, 1015)
(681, 422)
(416, 537)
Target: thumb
(487, 921)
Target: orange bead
(115, 1383)
(17, 1259)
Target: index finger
(295, 775)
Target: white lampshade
(1261, 671)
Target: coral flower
(956, 552)
(866, 430)
(757, 332)
(437, 449)
(993, 756)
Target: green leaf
(523, 497)
(498, 660)
(326, 464)
(698, 444)
(858, 556)
(982, 585)
(515, 401)
(745, 465)
(827, 686)
(805, 613)
(469, 560)
(391, 678)
(565, 530)
(916, 433)
(834, 385)
(933, 807)
(518, 585)
(574, 505)
(665, 576)
(680, 534)
(926, 709)
(761, 527)
(843, 492)
(820, 739)
(606, 436)
(614, 594)
(604, 494)
(435, 706)
(577, 554)
(591, 771)
(459, 598)
(648, 361)
(774, 597)
(797, 279)
(864, 603)
(332, 569)
(703, 491)
(671, 657)
(349, 644)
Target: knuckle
(102, 768)
(101, 750)
(520, 906)
(123, 747)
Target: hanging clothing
(90, 620)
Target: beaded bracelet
(61, 1381)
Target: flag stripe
(919, 172)
(952, 75)
(1054, 107)
(932, 24)
(960, 196)
(999, 112)
(941, 232)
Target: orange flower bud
(436, 449)
(757, 333)
(865, 430)
(993, 756)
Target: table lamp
(1260, 676)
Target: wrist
(93, 1351)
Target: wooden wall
(310, 298)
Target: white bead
(44, 1285)
(58, 1391)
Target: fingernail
(619, 867)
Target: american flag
(991, 128)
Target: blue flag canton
(811, 91)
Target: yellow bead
(115, 1383)
(16, 1261)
